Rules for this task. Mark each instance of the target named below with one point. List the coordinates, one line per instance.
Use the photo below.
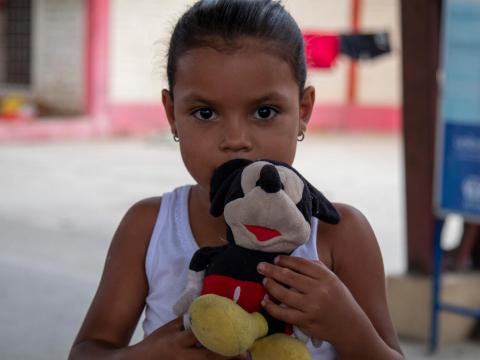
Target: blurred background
(83, 136)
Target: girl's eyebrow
(271, 96)
(193, 97)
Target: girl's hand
(172, 342)
(318, 302)
(347, 308)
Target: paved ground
(60, 203)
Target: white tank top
(171, 247)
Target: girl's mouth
(262, 233)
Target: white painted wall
(58, 54)
(140, 33)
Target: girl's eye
(204, 114)
(265, 113)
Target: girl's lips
(262, 233)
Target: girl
(236, 72)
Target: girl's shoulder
(148, 206)
(144, 212)
(339, 243)
(138, 222)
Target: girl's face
(240, 104)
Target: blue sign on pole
(458, 149)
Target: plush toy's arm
(204, 256)
(192, 290)
(200, 261)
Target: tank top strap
(154, 239)
(180, 211)
(172, 229)
(309, 249)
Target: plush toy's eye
(292, 183)
(251, 174)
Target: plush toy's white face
(267, 217)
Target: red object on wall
(321, 50)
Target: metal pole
(436, 284)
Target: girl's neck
(207, 230)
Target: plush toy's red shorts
(247, 294)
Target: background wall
(58, 54)
(140, 33)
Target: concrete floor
(60, 203)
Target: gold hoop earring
(176, 138)
(301, 136)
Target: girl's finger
(314, 269)
(187, 339)
(176, 324)
(286, 296)
(287, 276)
(205, 354)
(244, 356)
(288, 315)
(173, 326)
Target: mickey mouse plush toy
(267, 206)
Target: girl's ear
(167, 101)
(306, 107)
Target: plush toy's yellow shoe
(224, 327)
(279, 347)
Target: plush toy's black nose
(269, 179)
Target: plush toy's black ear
(221, 182)
(321, 207)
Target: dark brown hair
(221, 23)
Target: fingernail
(264, 281)
(264, 300)
(261, 267)
(276, 260)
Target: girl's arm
(120, 299)
(357, 262)
(345, 305)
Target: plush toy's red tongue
(262, 233)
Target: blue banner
(458, 149)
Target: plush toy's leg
(279, 347)
(223, 326)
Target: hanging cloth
(321, 50)
(364, 46)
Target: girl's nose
(235, 137)
(269, 179)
